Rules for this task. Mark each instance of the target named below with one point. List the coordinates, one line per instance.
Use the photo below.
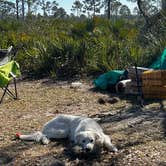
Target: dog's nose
(87, 149)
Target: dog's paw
(45, 140)
(114, 149)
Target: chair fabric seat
(6, 70)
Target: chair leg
(15, 88)
(4, 93)
(6, 90)
(10, 93)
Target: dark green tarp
(160, 63)
(109, 78)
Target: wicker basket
(156, 77)
(154, 96)
(154, 84)
(154, 92)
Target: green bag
(109, 78)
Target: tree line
(80, 8)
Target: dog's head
(89, 141)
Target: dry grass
(138, 133)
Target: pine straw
(138, 133)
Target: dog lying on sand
(82, 131)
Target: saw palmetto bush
(66, 48)
(65, 57)
(91, 46)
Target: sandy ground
(138, 133)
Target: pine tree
(29, 5)
(77, 6)
(111, 7)
(93, 6)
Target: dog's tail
(37, 137)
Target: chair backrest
(5, 55)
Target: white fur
(83, 131)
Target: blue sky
(67, 4)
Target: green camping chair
(9, 71)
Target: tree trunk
(94, 8)
(163, 5)
(23, 10)
(108, 9)
(139, 3)
(17, 13)
(43, 7)
(29, 7)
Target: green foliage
(66, 48)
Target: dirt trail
(138, 133)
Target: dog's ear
(97, 137)
(98, 140)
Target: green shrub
(66, 48)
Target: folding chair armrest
(5, 55)
(9, 49)
(13, 75)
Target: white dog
(82, 131)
